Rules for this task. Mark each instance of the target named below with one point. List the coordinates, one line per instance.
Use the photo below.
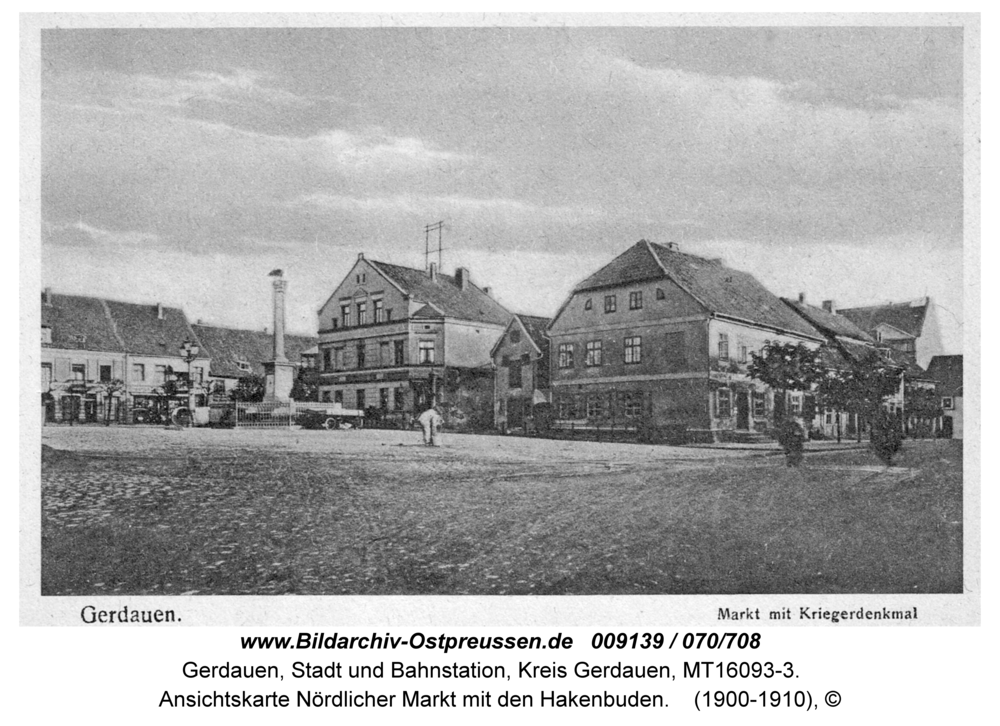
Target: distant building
(87, 342)
(947, 371)
(396, 339)
(660, 340)
(237, 353)
(522, 394)
(911, 329)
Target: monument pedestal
(279, 376)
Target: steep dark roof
(908, 317)
(536, 328)
(80, 323)
(829, 323)
(720, 289)
(226, 346)
(445, 294)
(145, 333)
(947, 371)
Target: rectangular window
(596, 405)
(345, 315)
(758, 404)
(723, 346)
(360, 397)
(828, 417)
(742, 354)
(78, 372)
(514, 374)
(383, 399)
(362, 313)
(660, 294)
(46, 334)
(594, 350)
(796, 399)
(426, 351)
(338, 397)
(105, 374)
(338, 359)
(565, 355)
(159, 374)
(398, 398)
(327, 359)
(46, 376)
(325, 397)
(724, 403)
(610, 303)
(948, 402)
(632, 405)
(383, 353)
(138, 372)
(379, 306)
(633, 349)
(635, 300)
(569, 407)
(397, 352)
(360, 353)
(515, 335)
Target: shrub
(887, 436)
(790, 437)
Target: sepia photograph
(604, 308)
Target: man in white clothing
(430, 421)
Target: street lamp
(189, 351)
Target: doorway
(743, 410)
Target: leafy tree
(922, 405)
(306, 386)
(250, 389)
(860, 387)
(887, 435)
(786, 367)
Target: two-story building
(910, 329)
(946, 370)
(89, 342)
(521, 392)
(236, 353)
(395, 339)
(659, 340)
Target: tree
(922, 406)
(306, 386)
(786, 367)
(110, 389)
(861, 386)
(250, 389)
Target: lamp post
(189, 351)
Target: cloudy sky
(183, 165)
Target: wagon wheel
(330, 423)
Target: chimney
(432, 271)
(361, 255)
(462, 277)
(829, 306)
(47, 296)
(159, 311)
(802, 298)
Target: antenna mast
(436, 227)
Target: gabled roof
(908, 316)
(719, 289)
(830, 324)
(228, 346)
(947, 371)
(80, 323)
(144, 332)
(534, 326)
(444, 294)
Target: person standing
(430, 421)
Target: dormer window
(80, 339)
(244, 366)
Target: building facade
(946, 370)
(910, 329)
(658, 341)
(521, 394)
(395, 340)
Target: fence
(263, 415)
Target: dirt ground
(145, 510)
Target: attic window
(81, 339)
(660, 295)
(515, 336)
(589, 304)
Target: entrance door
(743, 410)
(515, 413)
(948, 427)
